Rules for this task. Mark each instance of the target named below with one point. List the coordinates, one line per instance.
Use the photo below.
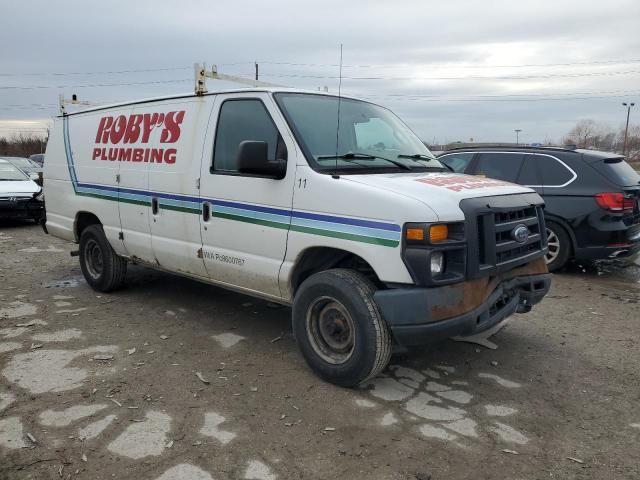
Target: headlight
(437, 263)
(435, 253)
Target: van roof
(193, 95)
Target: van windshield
(369, 137)
(8, 172)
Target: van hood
(18, 188)
(441, 192)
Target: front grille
(496, 243)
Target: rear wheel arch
(567, 228)
(82, 221)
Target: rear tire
(103, 269)
(559, 246)
(339, 329)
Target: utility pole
(256, 64)
(626, 130)
(517, 130)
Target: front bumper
(417, 316)
(21, 208)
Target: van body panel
(245, 237)
(175, 225)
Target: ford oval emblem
(520, 233)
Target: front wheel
(103, 269)
(559, 247)
(339, 329)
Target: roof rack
(201, 75)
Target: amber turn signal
(415, 234)
(438, 233)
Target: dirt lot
(106, 386)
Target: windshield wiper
(364, 156)
(417, 156)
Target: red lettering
(133, 129)
(171, 131)
(148, 124)
(138, 154)
(96, 153)
(118, 129)
(170, 156)
(124, 155)
(113, 154)
(156, 155)
(103, 129)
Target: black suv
(592, 198)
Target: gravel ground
(171, 379)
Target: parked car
(31, 168)
(592, 198)
(38, 158)
(354, 223)
(20, 197)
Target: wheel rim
(553, 244)
(94, 259)
(331, 330)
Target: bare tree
(583, 132)
(22, 145)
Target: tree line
(598, 136)
(22, 145)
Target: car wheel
(559, 247)
(103, 269)
(339, 329)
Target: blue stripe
(347, 221)
(355, 230)
(243, 212)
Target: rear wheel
(103, 269)
(559, 246)
(340, 331)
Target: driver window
(241, 120)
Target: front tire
(103, 269)
(559, 246)
(339, 329)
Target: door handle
(154, 205)
(206, 211)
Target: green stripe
(113, 199)
(180, 209)
(346, 236)
(313, 231)
(256, 221)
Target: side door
(174, 171)
(499, 165)
(246, 217)
(133, 187)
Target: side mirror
(253, 159)
(34, 176)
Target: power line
(541, 99)
(467, 77)
(113, 72)
(419, 95)
(94, 85)
(568, 64)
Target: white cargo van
(353, 222)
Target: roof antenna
(335, 174)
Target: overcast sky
(454, 70)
